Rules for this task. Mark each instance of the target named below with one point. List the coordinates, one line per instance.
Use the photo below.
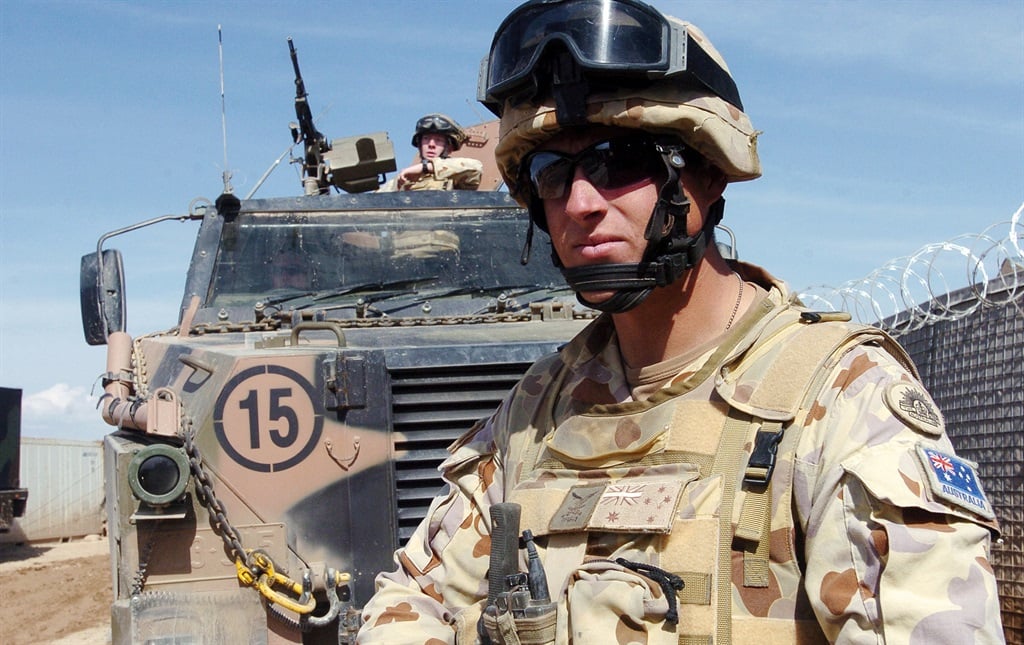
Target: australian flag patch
(955, 480)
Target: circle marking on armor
(267, 418)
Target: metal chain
(139, 580)
(204, 492)
(255, 567)
(140, 366)
(245, 560)
(277, 321)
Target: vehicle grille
(432, 408)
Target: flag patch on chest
(955, 480)
(628, 505)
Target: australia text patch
(954, 480)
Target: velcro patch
(628, 505)
(911, 404)
(954, 480)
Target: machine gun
(313, 141)
(354, 164)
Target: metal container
(66, 480)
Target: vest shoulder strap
(787, 365)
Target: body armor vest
(702, 492)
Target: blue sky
(886, 126)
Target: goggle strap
(570, 89)
(705, 70)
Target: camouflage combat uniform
(864, 541)
(451, 173)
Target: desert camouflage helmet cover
(716, 129)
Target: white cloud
(63, 411)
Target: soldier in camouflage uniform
(709, 461)
(436, 137)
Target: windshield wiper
(384, 289)
(294, 294)
(379, 288)
(510, 293)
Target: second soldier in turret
(436, 137)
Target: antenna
(226, 175)
(473, 106)
(287, 151)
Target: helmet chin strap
(670, 251)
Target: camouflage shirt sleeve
(887, 560)
(465, 173)
(442, 570)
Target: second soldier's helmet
(440, 124)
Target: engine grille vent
(432, 408)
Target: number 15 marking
(277, 412)
(268, 401)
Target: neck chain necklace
(739, 297)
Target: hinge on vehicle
(550, 310)
(344, 382)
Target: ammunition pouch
(504, 629)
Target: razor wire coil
(939, 282)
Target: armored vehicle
(276, 446)
(13, 498)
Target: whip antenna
(226, 175)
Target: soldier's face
(432, 145)
(591, 225)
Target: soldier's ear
(716, 181)
(707, 179)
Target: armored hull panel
(329, 351)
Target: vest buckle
(762, 459)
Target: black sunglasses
(611, 164)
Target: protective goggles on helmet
(611, 164)
(433, 122)
(621, 39)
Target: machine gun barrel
(314, 143)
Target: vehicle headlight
(158, 474)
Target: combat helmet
(558, 64)
(440, 124)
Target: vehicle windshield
(325, 255)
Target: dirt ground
(55, 592)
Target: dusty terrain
(55, 593)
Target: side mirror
(101, 288)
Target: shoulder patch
(913, 405)
(954, 480)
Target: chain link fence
(968, 344)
